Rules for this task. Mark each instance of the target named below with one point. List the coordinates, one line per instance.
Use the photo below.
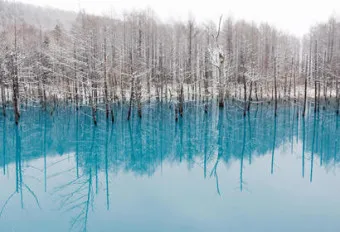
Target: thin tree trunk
(250, 93)
(315, 76)
(338, 97)
(93, 102)
(132, 90)
(3, 95)
(106, 93)
(275, 88)
(15, 79)
(75, 76)
(305, 95)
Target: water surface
(218, 171)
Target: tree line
(103, 61)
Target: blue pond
(215, 171)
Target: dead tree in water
(243, 71)
(275, 79)
(93, 98)
(275, 88)
(181, 100)
(93, 76)
(188, 74)
(221, 80)
(132, 87)
(2, 85)
(207, 76)
(315, 76)
(15, 77)
(13, 71)
(338, 96)
(305, 95)
(250, 93)
(139, 84)
(107, 108)
(220, 68)
(11, 63)
(180, 80)
(76, 84)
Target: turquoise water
(208, 172)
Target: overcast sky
(295, 16)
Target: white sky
(295, 16)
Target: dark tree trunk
(3, 95)
(337, 97)
(93, 102)
(275, 88)
(106, 92)
(250, 93)
(305, 95)
(15, 79)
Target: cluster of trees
(321, 61)
(100, 61)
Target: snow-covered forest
(50, 57)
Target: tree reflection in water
(212, 141)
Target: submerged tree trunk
(181, 101)
(275, 88)
(305, 95)
(15, 78)
(76, 84)
(132, 86)
(93, 102)
(244, 85)
(221, 80)
(106, 92)
(250, 93)
(206, 79)
(337, 97)
(290, 80)
(131, 97)
(139, 84)
(15, 90)
(3, 95)
(315, 76)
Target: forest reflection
(142, 146)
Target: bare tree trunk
(16, 95)
(294, 75)
(250, 93)
(244, 85)
(139, 84)
(256, 91)
(189, 64)
(131, 97)
(305, 95)
(206, 78)
(315, 96)
(324, 77)
(15, 79)
(93, 102)
(319, 91)
(106, 93)
(275, 88)
(181, 101)
(132, 90)
(221, 80)
(338, 97)
(76, 76)
(315, 76)
(290, 80)
(3, 95)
